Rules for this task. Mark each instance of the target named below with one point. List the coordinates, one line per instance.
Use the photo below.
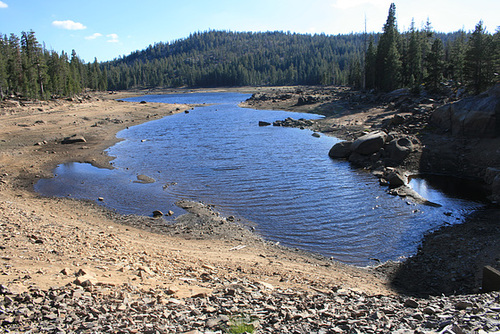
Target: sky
(107, 29)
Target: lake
(279, 180)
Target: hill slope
(222, 58)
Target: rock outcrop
(477, 116)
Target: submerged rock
(144, 179)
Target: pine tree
(370, 64)
(388, 65)
(456, 61)
(33, 65)
(414, 59)
(479, 60)
(3, 66)
(435, 61)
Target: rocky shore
(397, 135)
(238, 306)
(73, 266)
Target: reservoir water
(280, 179)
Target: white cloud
(69, 25)
(113, 38)
(3, 4)
(93, 36)
(346, 4)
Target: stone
(74, 139)
(411, 303)
(340, 150)
(462, 305)
(317, 135)
(141, 178)
(491, 279)
(369, 143)
(85, 280)
(395, 178)
(477, 116)
(399, 149)
(157, 213)
(65, 271)
(262, 123)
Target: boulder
(399, 149)
(262, 123)
(477, 116)
(341, 150)
(369, 143)
(74, 139)
(395, 178)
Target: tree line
(424, 59)
(417, 59)
(29, 70)
(224, 58)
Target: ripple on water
(280, 178)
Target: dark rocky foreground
(95, 308)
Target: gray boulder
(477, 116)
(341, 150)
(398, 149)
(369, 143)
(395, 178)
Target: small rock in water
(157, 213)
(144, 179)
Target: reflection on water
(280, 178)
(433, 187)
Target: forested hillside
(222, 58)
(28, 69)
(416, 59)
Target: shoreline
(17, 176)
(69, 248)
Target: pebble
(75, 308)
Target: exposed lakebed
(279, 179)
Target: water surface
(279, 178)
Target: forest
(419, 59)
(29, 70)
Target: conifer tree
(388, 62)
(370, 64)
(456, 58)
(435, 61)
(414, 59)
(479, 60)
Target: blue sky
(107, 29)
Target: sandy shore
(42, 236)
